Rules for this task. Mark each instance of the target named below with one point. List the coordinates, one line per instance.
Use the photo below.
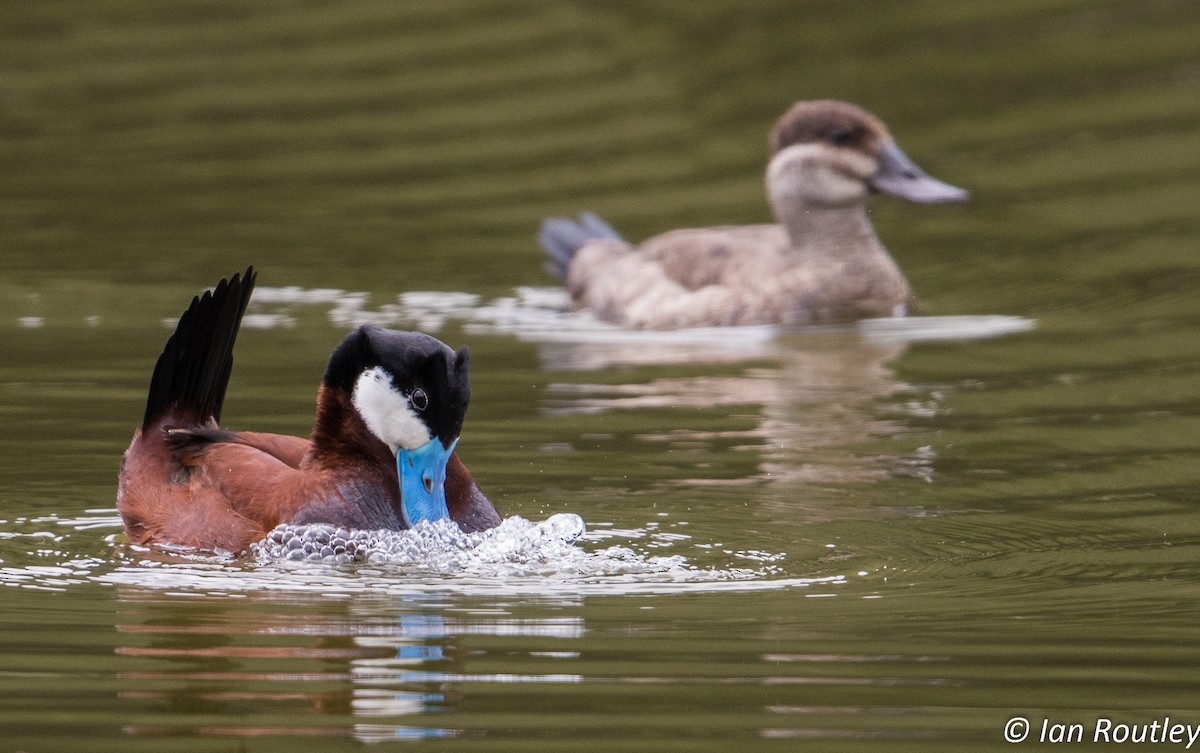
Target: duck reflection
(348, 667)
(814, 398)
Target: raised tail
(191, 374)
(561, 238)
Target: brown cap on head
(837, 123)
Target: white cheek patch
(387, 413)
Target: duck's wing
(212, 489)
(735, 256)
(684, 278)
(633, 291)
(201, 519)
(256, 484)
(188, 491)
(283, 447)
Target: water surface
(871, 539)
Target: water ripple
(541, 314)
(556, 557)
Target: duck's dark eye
(840, 137)
(419, 399)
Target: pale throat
(387, 413)
(844, 233)
(824, 214)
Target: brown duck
(822, 262)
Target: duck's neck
(843, 233)
(339, 433)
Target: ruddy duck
(389, 411)
(821, 263)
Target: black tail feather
(192, 372)
(561, 238)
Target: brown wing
(193, 442)
(256, 484)
(284, 447)
(209, 488)
(164, 501)
(732, 256)
(685, 278)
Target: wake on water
(516, 546)
(544, 315)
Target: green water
(942, 535)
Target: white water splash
(516, 547)
(555, 559)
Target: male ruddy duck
(381, 456)
(821, 263)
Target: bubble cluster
(516, 546)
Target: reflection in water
(813, 395)
(383, 669)
(387, 676)
(216, 648)
(814, 398)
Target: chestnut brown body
(186, 482)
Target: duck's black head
(408, 387)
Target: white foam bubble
(516, 547)
(556, 559)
